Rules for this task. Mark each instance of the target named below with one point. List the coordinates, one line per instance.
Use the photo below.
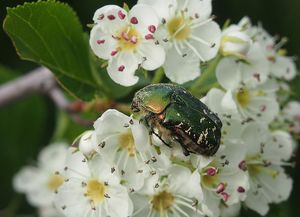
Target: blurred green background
(28, 125)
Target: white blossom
(40, 182)
(189, 35)
(126, 143)
(177, 194)
(249, 96)
(235, 42)
(91, 188)
(126, 40)
(266, 155)
(87, 142)
(281, 66)
(291, 113)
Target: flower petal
(276, 188)
(257, 202)
(257, 70)
(181, 69)
(102, 44)
(70, 199)
(76, 165)
(141, 136)
(110, 19)
(111, 122)
(228, 73)
(284, 67)
(56, 154)
(200, 9)
(228, 103)
(280, 147)
(154, 55)
(121, 69)
(27, 178)
(143, 17)
(164, 9)
(264, 108)
(211, 34)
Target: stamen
(134, 20)
(111, 17)
(178, 30)
(185, 4)
(101, 17)
(149, 37)
(194, 50)
(125, 36)
(220, 188)
(114, 52)
(100, 41)
(121, 68)
(152, 28)
(202, 41)
(263, 108)
(177, 48)
(243, 165)
(180, 210)
(281, 43)
(184, 204)
(257, 76)
(121, 15)
(225, 196)
(201, 23)
(211, 171)
(241, 189)
(133, 39)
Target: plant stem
(158, 76)
(207, 80)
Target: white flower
(267, 153)
(127, 41)
(126, 143)
(189, 34)
(91, 188)
(281, 66)
(40, 182)
(222, 181)
(235, 42)
(87, 142)
(177, 194)
(247, 93)
(291, 113)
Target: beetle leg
(158, 136)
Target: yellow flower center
(95, 191)
(179, 28)
(129, 39)
(210, 181)
(126, 141)
(243, 97)
(55, 181)
(162, 201)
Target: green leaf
(49, 33)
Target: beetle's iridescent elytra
(173, 114)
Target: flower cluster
(40, 182)
(153, 34)
(122, 168)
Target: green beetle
(178, 115)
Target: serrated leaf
(49, 33)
